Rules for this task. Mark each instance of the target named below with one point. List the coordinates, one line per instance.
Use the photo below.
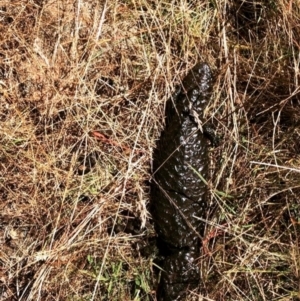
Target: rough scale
(178, 195)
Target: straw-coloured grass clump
(82, 91)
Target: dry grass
(71, 71)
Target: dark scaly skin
(178, 195)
